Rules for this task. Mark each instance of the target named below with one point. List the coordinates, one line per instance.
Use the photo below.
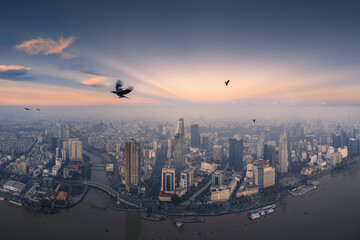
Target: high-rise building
(264, 174)
(109, 146)
(269, 176)
(65, 132)
(217, 179)
(335, 158)
(57, 151)
(195, 136)
(169, 152)
(236, 154)
(179, 145)
(118, 148)
(205, 142)
(353, 146)
(75, 149)
(63, 154)
(269, 152)
(259, 175)
(168, 180)
(260, 150)
(283, 164)
(218, 153)
(186, 179)
(336, 141)
(132, 164)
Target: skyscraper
(132, 164)
(236, 153)
(269, 152)
(195, 136)
(264, 175)
(218, 153)
(283, 165)
(179, 144)
(205, 142)
(109, 146)
(336, 141)
(75, 149)
(168, 180)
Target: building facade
(236, 154)
(132, 164)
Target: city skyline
(281, 54)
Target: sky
(180, 53)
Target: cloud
(13, 72)
(80, 68)
(100, 81)
(47, 46)
(75, 94)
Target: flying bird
(27, 109)
(120, 91)
(227, 82)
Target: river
(329, 212)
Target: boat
(269, 211)
(154, 217)
(254, 216)
(179, 223)
(15, 202)
(188, 220)
(2, 198)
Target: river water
(329, 212)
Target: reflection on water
(132, 225)
(329, 212)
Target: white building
(208, 167)
(75, 149)
(335, 158)
(343, 151)
(223, 193)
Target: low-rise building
(14, 186)
(223, 193)
(247, 191)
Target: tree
(175, 199)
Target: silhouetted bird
(38, 109)
(120, 91)
(27, 109)
(254, 120)
(227, 82)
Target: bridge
(108, 190)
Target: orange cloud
(47, 46)
(96, 82)
(5, 68)
(75, 94)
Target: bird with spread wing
(120, 91)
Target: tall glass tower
(283, 155)
(195, 136)
(236, 148)
(179, 145)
